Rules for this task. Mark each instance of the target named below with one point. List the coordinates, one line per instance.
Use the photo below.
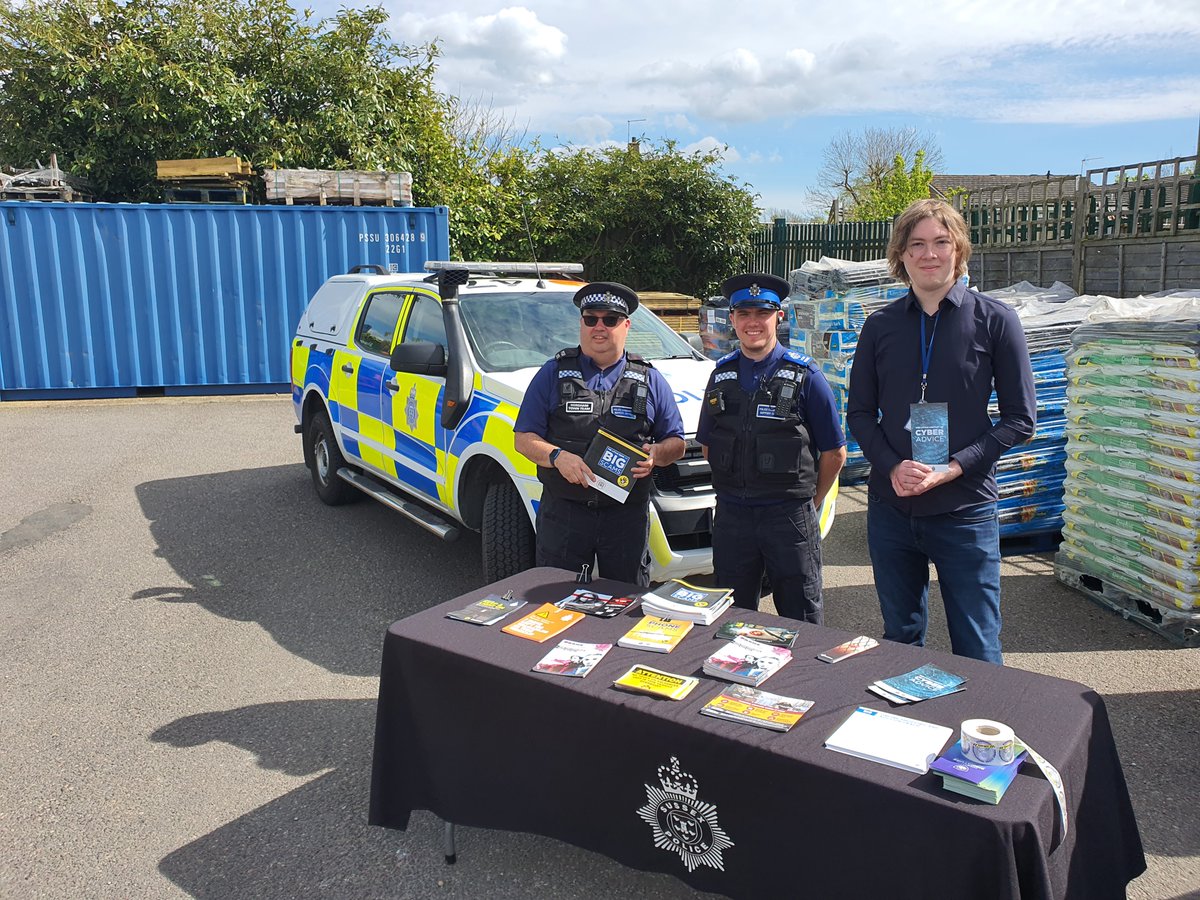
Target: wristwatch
(554, 455)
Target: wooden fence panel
(780, 247)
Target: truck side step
(426, 518)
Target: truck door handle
(348, 369)
(391, 386)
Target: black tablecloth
(466, 730)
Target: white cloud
(679, 122)
(591, 130)
(512, 45)
(710, 144)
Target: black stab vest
(580, 411)
(760, 447)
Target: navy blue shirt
(542, 396)
(978, 342)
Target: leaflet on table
(656, 634)
(596, 604)
(677, 594)
(645, 680)
(750, 706)
(971, 779)
(543, 623)
(764, 634)
(611, 461)
(892, 740)
(488, 611)
(930, 423)
(573, 658)
(924, 683)
(853, 647)
(747, 661)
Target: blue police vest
(760, 446)
(580, 411)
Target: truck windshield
(510, 331)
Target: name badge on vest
(623, 412)
(579, 406)
(767, 411)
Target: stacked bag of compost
(1132, 491)
(1030, 475)
(830, 300)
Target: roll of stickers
(995, 744)
(988, 743)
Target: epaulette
(568, 353)
(640, 360)
(727, 357)
(799, 359)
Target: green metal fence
(780, 247)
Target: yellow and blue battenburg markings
(399, 432)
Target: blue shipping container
(113, 299)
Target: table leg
(448, 845)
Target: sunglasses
(610, 321)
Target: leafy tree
(652, 217)
(114, 86)
(894, 191)
(855, 164)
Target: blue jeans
(964, 546)
(782, 538)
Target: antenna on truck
(532, 254)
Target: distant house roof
(1047, 186)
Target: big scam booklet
(611, 461)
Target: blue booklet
(920, 684)
(967, 777)
(930, 424)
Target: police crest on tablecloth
(683, 823)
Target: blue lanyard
(927, 351)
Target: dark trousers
(964, 546)
(613, 538)
(782, 538)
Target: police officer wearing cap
(772, 435)
(585, 388)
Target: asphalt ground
(191, 643)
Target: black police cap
(756, 289)
(606, 296)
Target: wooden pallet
(209, 167)
(185, 192)
(1035, 542)
(1176, 626)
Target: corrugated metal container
(100, 299)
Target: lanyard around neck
(927, 350)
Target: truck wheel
(326, 459)
(507, 535)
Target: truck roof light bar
(506, 268)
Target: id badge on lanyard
(929, 423)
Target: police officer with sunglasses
(772, 434)
(597, 385)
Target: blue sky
(1003, 87)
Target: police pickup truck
(406, 388)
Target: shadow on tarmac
(257, 545)
(314, 841)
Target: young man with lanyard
(940, 344)
(585, 388)
(770, 431)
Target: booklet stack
(655, 634)
(924, 683)
(679, 600)
(573, 658)
(967, 777)
(645, 680)
(764, 634)
(742, 703)
(746, 661)
(890, 739)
